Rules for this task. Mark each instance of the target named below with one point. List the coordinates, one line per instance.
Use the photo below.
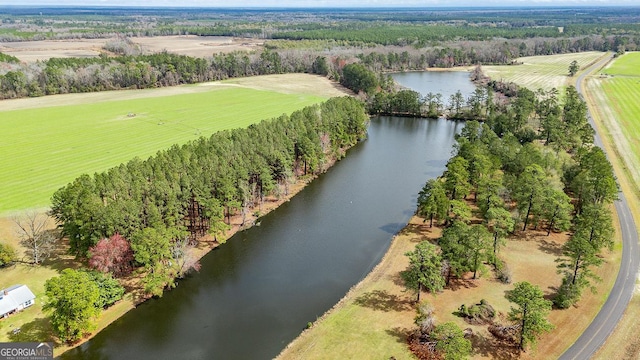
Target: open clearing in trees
(46, 146)
(614, 98)
(542, 72)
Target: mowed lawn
(621, 92)
(542, 72)
(623, 95)
(44, 148)
(625, 65)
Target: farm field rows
(542, 72)
(618, 99)
(623, 96)
(43, 148)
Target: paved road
(607, 319)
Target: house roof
(13, 296)
(7, 304)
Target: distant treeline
(75, 75)
(416, 27)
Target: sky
(324, 3)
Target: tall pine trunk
(526, 218)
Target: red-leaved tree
(112, 255)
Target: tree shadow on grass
(422, 231)
(490, 347)
(553, 292)
(383, 301)
(550, 247)
(60, 258)
(457, 284)
(397, 279)
(400, 334)
(38, 330)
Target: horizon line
(389, 7)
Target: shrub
(481, 313)
(504, 274)
(424, 319)
(7, 255)
(109, 288)
(568, 294)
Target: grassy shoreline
(375, 316)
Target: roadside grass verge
(542, 72)
(623, 344)
(43, 148)
(615, 107)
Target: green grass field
(626, 65)
(542, 72)
(44, 148)
(619, 95)
(624, 96)
(615, 102)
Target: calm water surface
(257, 292)
(443, 82)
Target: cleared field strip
(615, 103)
(626, 65)
(618, 99)
(542, 72)
(42, 149)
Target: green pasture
(623, 96)
(42, 149)
(622, 91)
(626, 65)
(542, 72)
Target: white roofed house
(15, 298)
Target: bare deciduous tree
(34, 234)
(186, 260)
